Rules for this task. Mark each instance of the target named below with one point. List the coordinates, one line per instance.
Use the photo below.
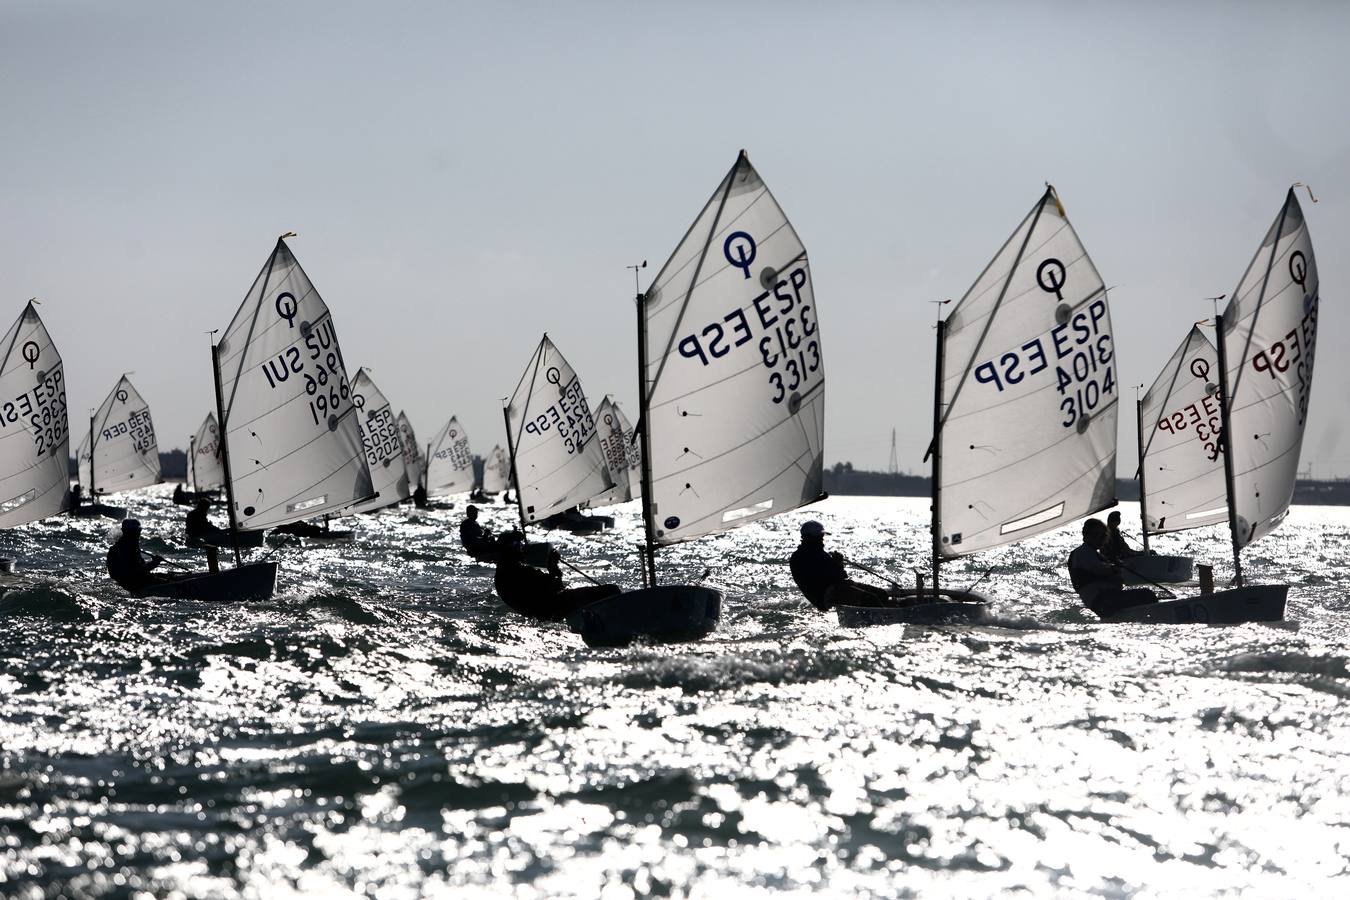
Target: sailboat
(206, 472)
(555, 453)
(1267, 338)
(1024, 408)
(34, 426)
(412, 451)
(620, 452)
(290, 441)
(496, 472)
(731, 388)
(449, 461)
(120, 452)
(1180, 457)
(382, 445)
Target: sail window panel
(1031, 521)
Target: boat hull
(671, 613)
(581, 524)
(253, 581)
(1253, 603)
(1136, 570)
(536, 553)
(952, 607)
(91, 510)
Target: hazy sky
(464, 177)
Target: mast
(192, 461)
(1143, 492)
(936, 485)
(511, 455)
(426, 469)
(1227, 442)
(92, 477)
(644, 432)
(225, 449)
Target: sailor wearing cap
(821, 576)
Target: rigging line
(1260, 300)
(1007, 282)
(266, 275)
(693, 282)
(538, 360)
(1167, 398)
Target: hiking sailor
(535, 593)
(1116, 549)
(1098, 581)
(475, 538)
(127, 567)
(822, 579)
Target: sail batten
(1027, 429)
(733, 353)
(289, 420)
(34, 444)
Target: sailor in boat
(1116, 548)
(538, 594)
(179, 495)
(198, 522)
(420, 497)
(476, 539)
(128, 567)
(1097, 581)
(821, 577)
(76, 496)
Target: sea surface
(385, 728)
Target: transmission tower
(894, 467)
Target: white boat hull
(1137, 570)
(670, 613)
(1254, 603)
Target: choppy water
(385, 728)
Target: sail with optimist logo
(35, 440)
(1268, 338)
(551, 438)
(412, 451)
(124, 453)
(732, 370)
(208, 474)
(1180, 452)
(383, 447)
(291, 439)
(621, 454)
(1026, 412)
(450, 463)
(496, 471)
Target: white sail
(496, 471)
(1028, 430)
(289, 424)
(558, 463)
(125, 455)
(1270, 336)
(450, 466)
(34, 430)
(613, 436)
(84, 462)
(633, 450)
(413, 459)
(734, 370)
(1182, 457)
(383, 447)
(208, 470)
